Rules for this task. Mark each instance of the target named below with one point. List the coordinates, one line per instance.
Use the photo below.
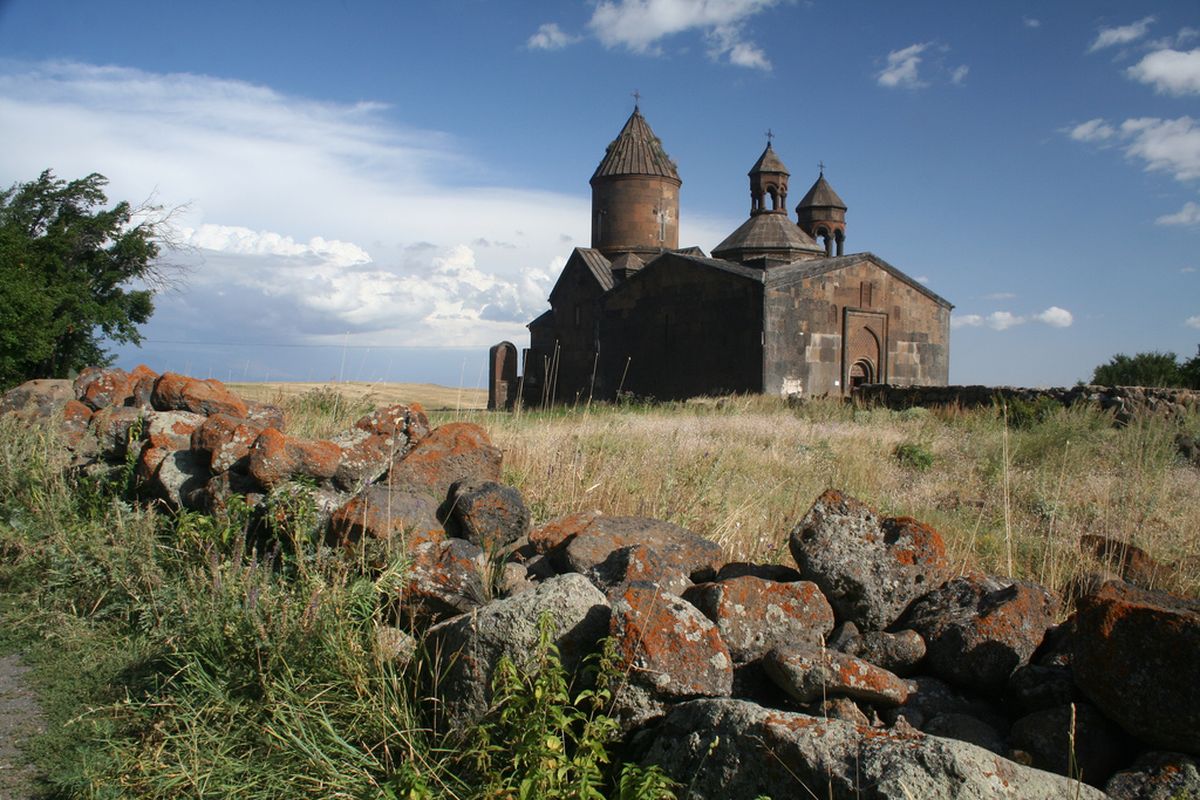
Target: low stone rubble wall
(866, 667)
(1121, 400)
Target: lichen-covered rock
(463, 652)
(76, 417)
(406, 424)
(754, 615)
(868, 567)
(175, 392)
(1156, 776)
(638, 563)
(383, 513)
(1134, 656)
(454, 452)
(899, 652)
(723, 748)
(41, 399)
(444, 578)
(808, 673)
(978, 629)
(276, 458)
(486, 513)
(141, 381)
(226, 441)
(116, 429)
(1071, 739)
(365, 458)
(100, 388)
(695, 556)
(668, 651)
(178, 475)
(170, 430)
(266, 415)
(552, 537)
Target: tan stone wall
(807, 322)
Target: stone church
(777, 308)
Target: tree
(72, 275)
(1189, 371)
(1143, 369)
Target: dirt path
(20, 718)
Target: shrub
(913, 455)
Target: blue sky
(380, 190)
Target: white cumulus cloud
(902, 68)
(1192, 322)
(959, 74)
(1170, 71)
(641, 25)
(1166, 145)
(550, 37)
(1094, 130)
(1123, 34)
(305, 220)
(1188, 215)
(1056, 317)
(1003, 320)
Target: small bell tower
(822, 215)
(768, 178)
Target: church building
(777, 308)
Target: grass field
(174, 660)
(430, 395)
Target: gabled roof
(787, 274)
(764, 234)
(592, 262)
(597, 263)
(691, 250)
(821, 194)
(636, 151)
(768, 162)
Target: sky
(380, 191)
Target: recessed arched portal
(862, 372)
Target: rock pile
(869, 670)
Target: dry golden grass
(743, 471)
(430, 395)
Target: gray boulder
(736, 749)
(463, 652)
(978, 629)
(869, 567)
(1156, 776)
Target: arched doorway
(861, 372)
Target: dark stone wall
(683, 331)
(809, 353)
(562, 353)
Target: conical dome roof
(767, 235)
(636, 151)
(768, 162)
(821, 195)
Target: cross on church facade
(637, 98)
(770, 136)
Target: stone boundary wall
(1122, 400)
